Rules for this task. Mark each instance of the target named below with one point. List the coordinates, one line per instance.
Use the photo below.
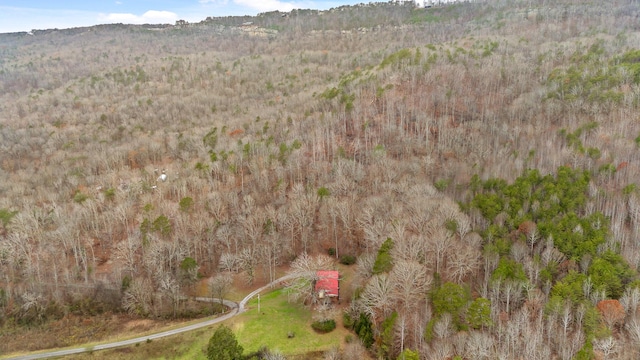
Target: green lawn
(253, 330)
(276, 319)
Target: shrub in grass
(348, 339)
(223, 345)
(347, 259)
(264, 353)
(347, 320)
(324, 326)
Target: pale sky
(26, 15)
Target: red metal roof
(328, 281)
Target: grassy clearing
(269, 327)
(277, 317)
(184, 346)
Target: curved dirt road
(237, 308)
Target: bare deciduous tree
(479, 345)
(137, 299)
(437, 244)
(364, 266)
(127, 252)
(630, 300)
(633, 327)
(220, 285)
(608, 346)
(170, 288)
(229, 262)
(377, 297)
(462, 262)
(248, 262)
(304, 272)
(443, 327)
(410, 283)
(354, 350)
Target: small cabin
(327, 285)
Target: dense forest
(478, 160)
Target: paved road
(236, 308)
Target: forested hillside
(479, 160)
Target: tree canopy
(223, 345)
